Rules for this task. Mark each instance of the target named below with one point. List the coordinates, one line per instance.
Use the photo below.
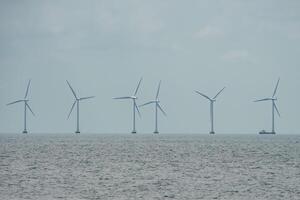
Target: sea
(148, 166)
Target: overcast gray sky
(103, 47)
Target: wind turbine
(135, 107)
(274, 107)
(77, 101)
(212, 101)
(157, 106)
(26, 105)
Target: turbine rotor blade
(71, 109)
(14, 102)
(84, 98)
(275, 90)
(266, 99)
(72, 90)
(137, 108)
(219, 93)
(150, 102)
(158, 89)
(122, 97)
(27, 90)
(30, 109)
(160, 108)
(276, 109)
(203, 95)
(137, 88)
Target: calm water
(52, 166)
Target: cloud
(209, 31)
(236, 56)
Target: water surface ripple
(52, 166)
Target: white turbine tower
(26, 105)
(274, 107)
(212, 101)
(157, 106)
(135, 107)
(77, 101)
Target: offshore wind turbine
(212, 101)
(273, 99)
(77, 101)
(135, 107)
(157, 106)
(26, 105)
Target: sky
(103, 47)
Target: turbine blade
(27, 90)
(14, 102)
(122, 97)
(71, 109)
(276, 109)
(137, 108)
(266, 99)
(84, 98)
(219, 93)
(150, 102)
(72, 89)
(160, 108)
(29, 108)
(158, 89)
(203, 95)
(274, 93)
(137, 88)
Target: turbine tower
(77, 101)
(157, 106)
(273, 99)
(26, 105)
(212, 101)
(135, 107)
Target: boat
(263, 132)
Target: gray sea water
(173, 166)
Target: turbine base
(24, 132)
(133, 132)
(77, 132)
(156, 132)
(212, 132)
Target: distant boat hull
(266, 133)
